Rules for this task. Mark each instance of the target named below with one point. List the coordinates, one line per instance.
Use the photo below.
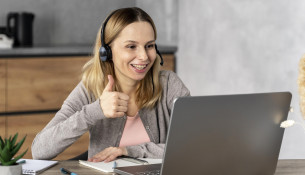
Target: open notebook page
(108, 167)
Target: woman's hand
(114, 104)
(109, 154)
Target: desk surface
(287, 167)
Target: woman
(123, 99)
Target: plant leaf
(13, 161)
(5, 141)
(6, 155)
(17, 147)
(1, 143)
(14, 139)
(1, 160)
(8, 149)
(9, 145)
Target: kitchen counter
(63, 51)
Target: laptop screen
(226, 134)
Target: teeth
(139, 67)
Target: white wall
(244, 46)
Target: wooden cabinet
(169, 62)
(32, 89)
(2, 84)
(2, 126)
(2, 96)
(34, 86)
(28, 125)
(41, 83)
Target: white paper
(36, 166)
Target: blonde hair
(95, 71)
(301, 85)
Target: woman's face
(134, 51)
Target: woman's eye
(150, 46)
(131, 46)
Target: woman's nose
(142, 54)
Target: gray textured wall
(64, 22)
(165, 16)
(244, 46)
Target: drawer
(35, 84)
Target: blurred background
(218, 47)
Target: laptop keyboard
(154, 172)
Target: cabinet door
(41, 83)
(2, 85)
(2, 126)
(169, 62)
(28, 125)
(32, 124)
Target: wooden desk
(285, 167)
(290, 167)
(73, 166)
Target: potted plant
(8, 149)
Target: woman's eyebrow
(132, 41)
(152, 41)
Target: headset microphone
(161, 62)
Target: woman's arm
(74, 118)
(150, 149)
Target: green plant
(8, 149)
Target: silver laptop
(228, 134)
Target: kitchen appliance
(20, 28)
(5, 42)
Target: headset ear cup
(109, 52)
(105, 53)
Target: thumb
(110, 84)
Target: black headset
(105, 50)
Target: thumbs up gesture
(114, 104)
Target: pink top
(134, 132)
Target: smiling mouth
(139, 66)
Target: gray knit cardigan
(81, 112)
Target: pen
(135, 160)
(21, 162)
(65, 171)
(114, 165)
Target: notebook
(108, 167)
(226, 134)
(36, 166)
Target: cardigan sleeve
(74, 118)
